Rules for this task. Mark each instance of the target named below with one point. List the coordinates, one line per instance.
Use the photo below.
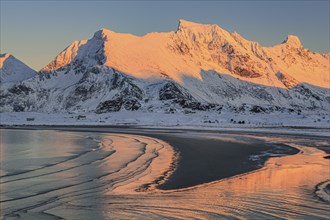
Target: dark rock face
(172, 91)
(129, 95)
(246, 73)
(109, 106)
(20, 89)
(177, 94)
(20, 97)
(260, 93)
(303, 90)
(257, 109)
(132, 104)
(82, 92)
(116, 105)
(131, 90)
(197, 105)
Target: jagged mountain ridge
(195, 47)
(198, 67)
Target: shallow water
(81, 175)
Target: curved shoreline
(202, 159)
(263, 193)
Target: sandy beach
(202, 158)
(187, 173)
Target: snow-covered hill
(196, 68)
(13, 70)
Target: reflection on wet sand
(282, 189)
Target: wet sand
(100, 181)
(201, 159)
(204, 160)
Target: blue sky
(36, 31)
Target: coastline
(201, 159)
(265, 187)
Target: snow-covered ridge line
(196, 68)
(195, 47)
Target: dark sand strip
(204, 160)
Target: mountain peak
(13, 70)
(5, 55)
(184, 24)
(292, 40)
(103, 33)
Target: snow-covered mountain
(13, 70)
(197, 67)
